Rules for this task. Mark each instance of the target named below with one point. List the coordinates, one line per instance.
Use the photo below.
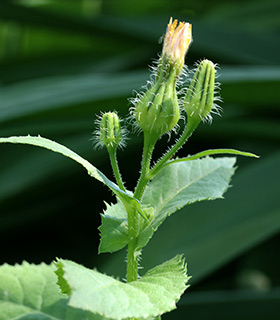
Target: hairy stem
(133, 252)
(171, 152)
(114, 163)
(149, 144)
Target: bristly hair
(97, 144)
(216, 109)
(133, 101)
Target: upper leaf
(125, 197)
(183, 183)
(30, 292)
(154, 294)
(178, 184)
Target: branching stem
(172, 151)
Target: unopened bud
(158, 110)
(110, 133)
(176, 43)
(199, 99)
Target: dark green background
(62, 62)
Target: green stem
(149, 144)
(113, 158)
(189, 129)
(133, 252)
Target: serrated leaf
(154, 294)
(126, 198)
(184, 183)
(113, 229)
(30, 292)
(178, 184)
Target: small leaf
(183, 183)
(113, 229)
(30, 292)
(154, 294)
(212, 152)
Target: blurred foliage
(62, 62)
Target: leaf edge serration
(159, 290)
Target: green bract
(110, 133)
(158, 110)
(199, 99)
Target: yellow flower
(176, 42)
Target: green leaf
(213, 233)
(30, 292)
(183, 183)
(212, 152)
(56, 147)
(113, 229)
(197, 180)
(152, 295)
(127, 199)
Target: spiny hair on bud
(138, 96)
(97, 143)
(216, 108)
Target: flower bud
(199, 99)
(157, 111)
(176, 44)
(110, 133)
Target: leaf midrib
(186, 186)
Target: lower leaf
(154, 294)
(30, 292)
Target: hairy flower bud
(199, 99)
(110, 133)
(157, 111)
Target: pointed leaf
(177, 185)
(154, 294)
(212, 152)
(127, 199)
(183, 183)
